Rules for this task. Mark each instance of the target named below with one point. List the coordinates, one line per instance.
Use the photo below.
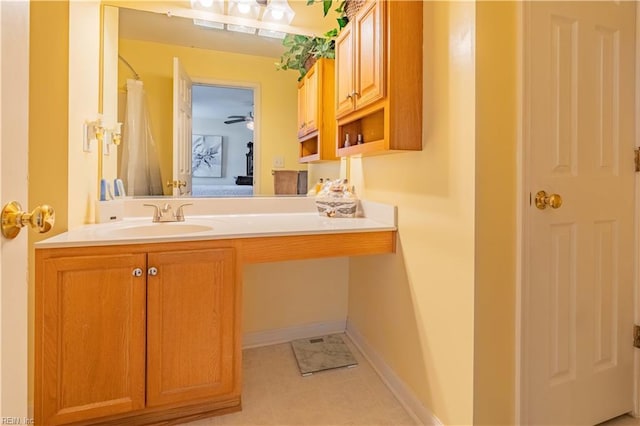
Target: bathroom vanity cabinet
(136, 331)
(379, 79)
(141, 331)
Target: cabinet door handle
(354, 94)
(153, 271)
(348, 96)
(137, 272)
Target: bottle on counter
(316, 188)
(359, 139)
(347, 143)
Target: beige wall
(277, 97)
(496, 188)
(416, 308)
(298, 293)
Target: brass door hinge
(636, 157)
(636, 336)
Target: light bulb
(243, 7)
(277, 14)
(206, 3)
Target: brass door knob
(543, 200)
(41, 218)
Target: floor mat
(322, 353)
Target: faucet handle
(180, 213)
(156, 212)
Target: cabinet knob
(348, 96)
(153, 271)
(137, 272)
(354, 94)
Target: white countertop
(268, 222)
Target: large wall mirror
(243, 111)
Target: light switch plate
(278, 162)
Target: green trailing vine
(299, 48)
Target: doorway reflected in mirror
(220, 135)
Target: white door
(579, 260)
(181, 130)
(14, 90)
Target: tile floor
(274, 393)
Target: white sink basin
(158, 229)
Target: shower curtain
(140, 167)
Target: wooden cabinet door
(308, 102)
(369, 51)
(191, 327)
(302, 105)
(312, 95)
(90, 338)
(344, 71)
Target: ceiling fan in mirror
(240, 119)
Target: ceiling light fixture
(278, 11)
(215, 6)
(272, 11)
(244, 8)
(208, 24)
(272, 34)
(241, 29)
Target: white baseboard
(401, 391)
(283, 335)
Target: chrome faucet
(164, 213)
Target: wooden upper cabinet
(90, 337)
(316, 114)
(379, 79)
(191, 326)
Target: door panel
(311, 99)
(344, 71)
(579, 82)
(191, 327)
(369, 63)
(14, 141)
(302, 105)
(93, 337)
(182, 117)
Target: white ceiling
(221, 102)
(158, 28)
